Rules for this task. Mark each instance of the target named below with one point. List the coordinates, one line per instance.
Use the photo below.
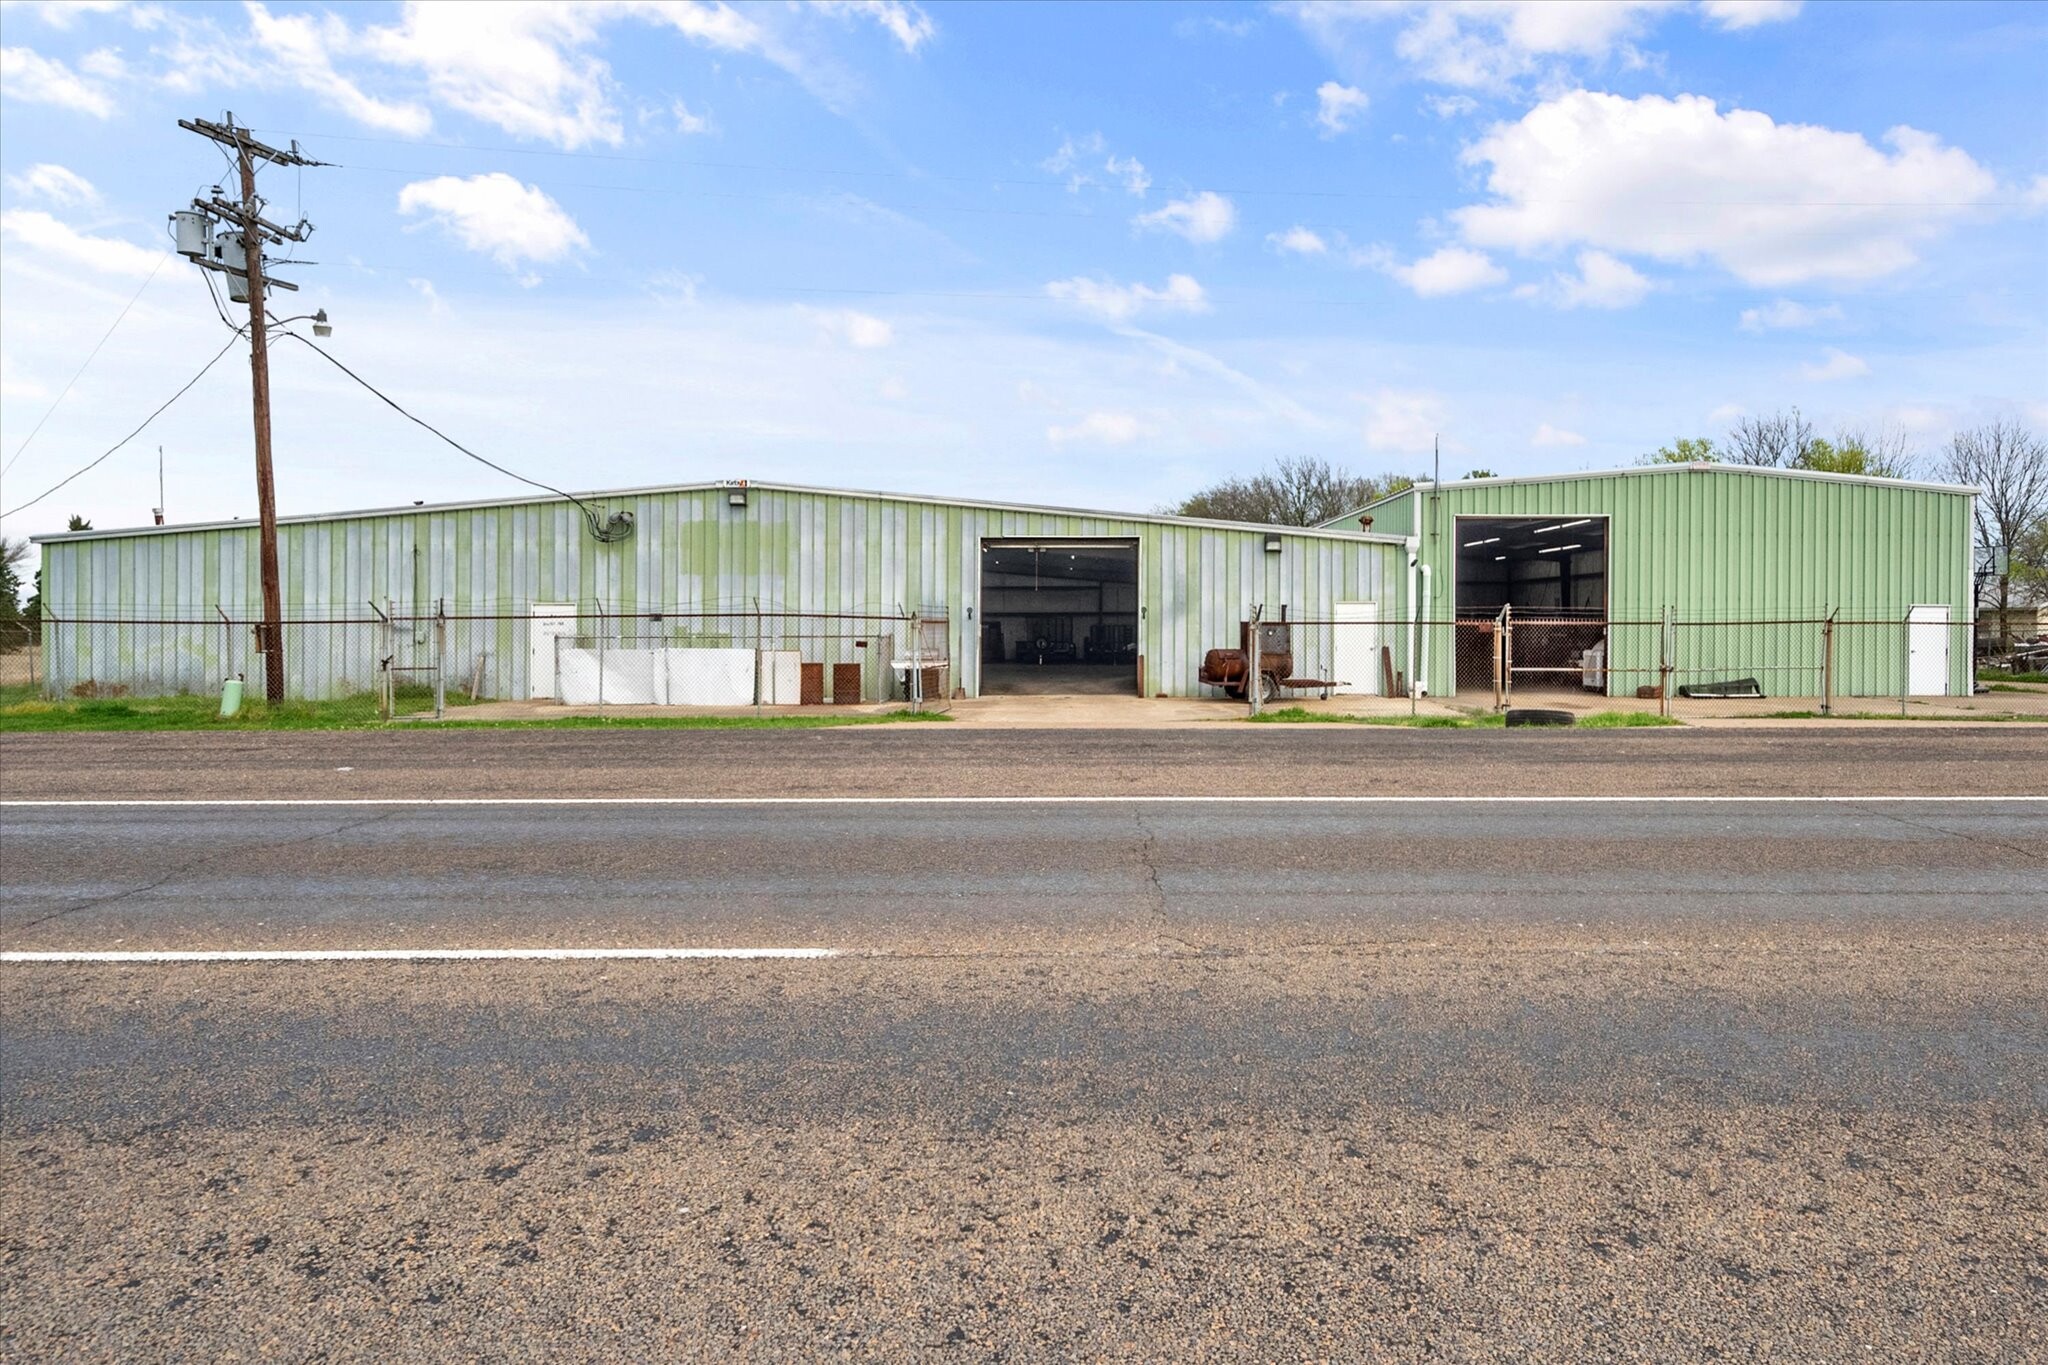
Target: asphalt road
(1642, 1080)
(1897, 758)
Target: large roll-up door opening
(1059, 616)
(1553, 572)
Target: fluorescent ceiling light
(1490, 540)
(1582, 521)
(1541, 529)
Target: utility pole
(238, 253)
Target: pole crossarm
(230, 135)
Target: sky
(1086, 255)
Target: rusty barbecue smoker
(1229, 668)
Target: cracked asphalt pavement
(1574, 1080)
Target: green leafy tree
(1299, 490)
(1684, 450)
(78, 523)
(1481, 474)
(12, 553)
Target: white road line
(424, 955)
(1122, 799)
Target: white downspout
(1414, 608)
(1428, 602)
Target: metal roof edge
(478, 504)
(1708, 467)
(1367, 507)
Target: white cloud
(1121, 302)
(1680, 181)
(1726, 413)
(1450, 106)
(1404, 422)
(54, 184)
(1077, 156)
(518, 67)
(1297, 241)
(32, 78)
(1098, 428)
(1602, 282)
(1738, 14)
(1450, 270)
(301, 49)
(1132, 171)
(1337, 105)
(862, 331)
(688, 121)
(1836, 364)
(64, 13)
(425, 289)
(1201, 218)
(1548, 435)
(39, 232)
(1785, 315)
(910, 26)
(496, 215)
(1489, 44)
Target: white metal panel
(1356, 652)
(551, 620)
(1927, 635)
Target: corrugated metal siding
(1722, 545)
(790, 549)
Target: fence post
(440, 656)
(1253, 683)
(600, 652)
(1905, 657)
(1503, 657)
(1667, 663)
(1827, 664)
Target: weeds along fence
(396, 664)
(1672, 664)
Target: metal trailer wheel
(1269, 688)
(1530, 715)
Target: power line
(87, 364)
(590, 514)
(131, 435)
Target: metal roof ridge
(705, 486)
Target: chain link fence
(385, 664)
(1670, 665)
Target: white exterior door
(551, 620)
(1355, 652)
(1927, 650)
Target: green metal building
(1669, 575)
(1691, 574)
(1033, 598)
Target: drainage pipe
(1428, 601)
(1414, 608)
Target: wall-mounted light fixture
(1273, 545)
(736, 494)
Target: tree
(2008, 465)
(1774, 442)
(1481, 474)
(1299, 490)
(1885, 453)
(78, 523)
(12, 552)
(1684, 450)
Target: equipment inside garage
(1059, 616)
(1552, 571)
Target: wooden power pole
(239, 255)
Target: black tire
(1530, 715)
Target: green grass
(31, 714)
(1625, 720)
(2007, 675)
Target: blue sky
(1090, 255)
